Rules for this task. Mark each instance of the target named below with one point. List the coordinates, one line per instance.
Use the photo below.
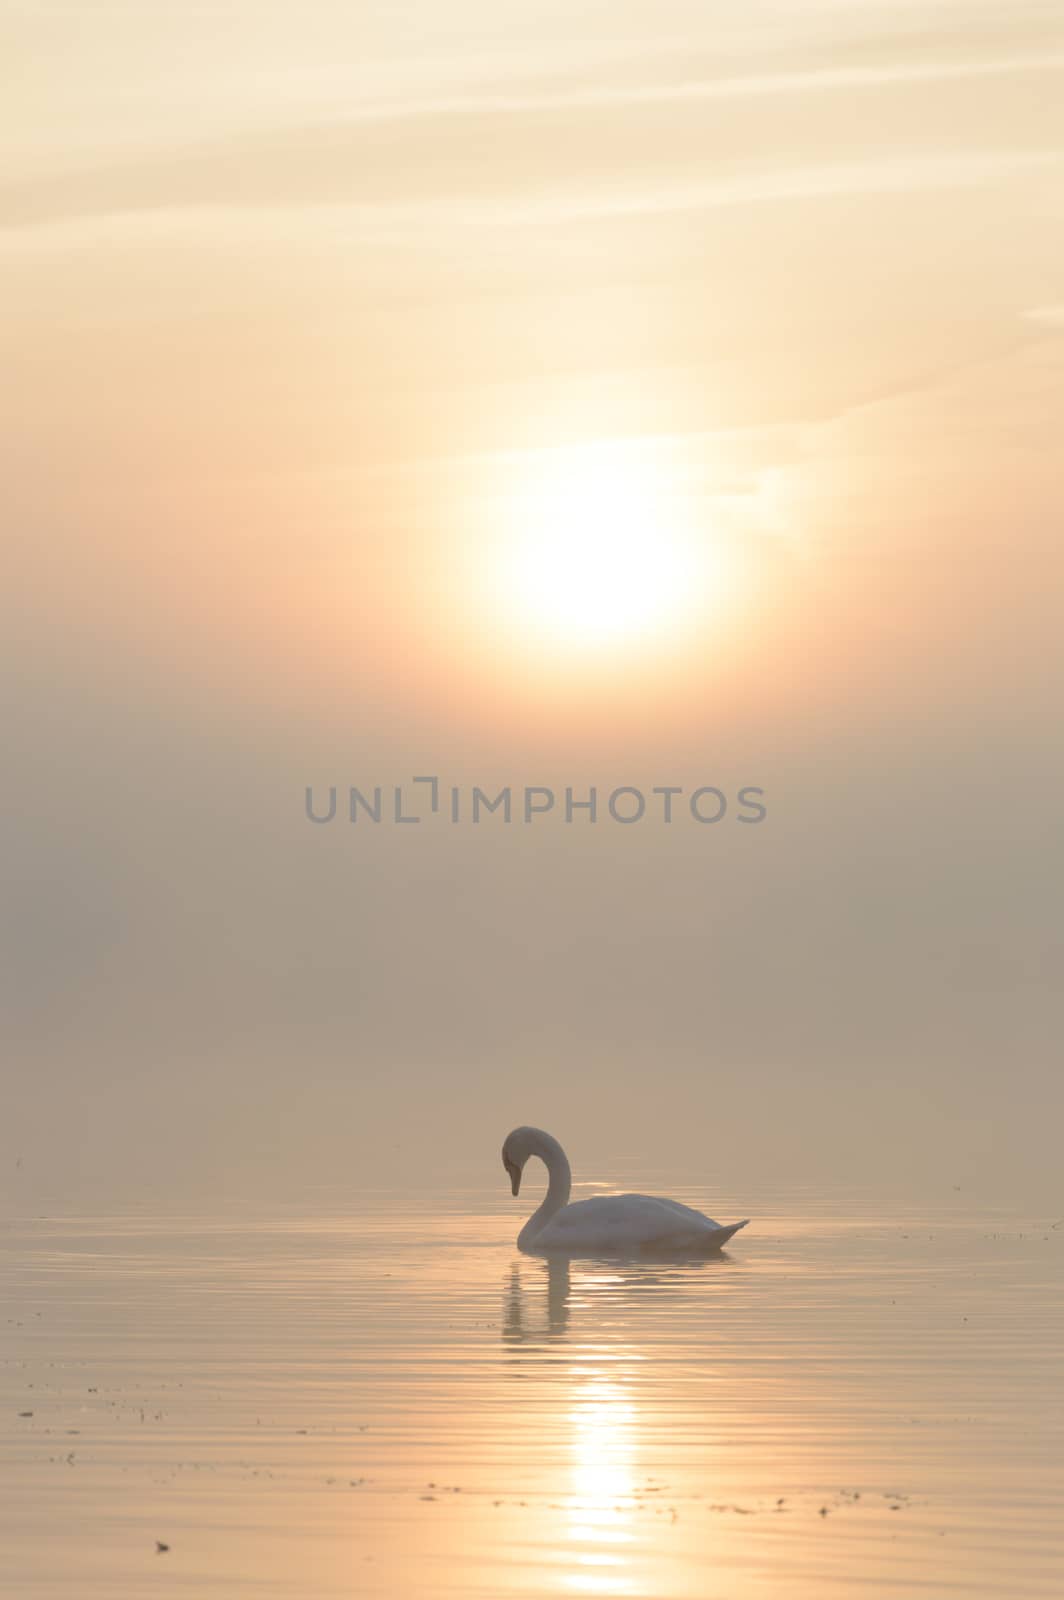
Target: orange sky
(452, 387)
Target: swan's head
(515, 1152)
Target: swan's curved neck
(554, 1158)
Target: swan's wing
(712, 1232)
(692, 1224)
(687, 1212)
(629, 1221)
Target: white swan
(608, 1222)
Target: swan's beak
(515, 1176)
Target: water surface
(395, 1403)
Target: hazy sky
(359, 360)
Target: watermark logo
(427, 799)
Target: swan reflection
(539, 1301)
(523, 1322)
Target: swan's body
(613, 1222)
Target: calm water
(397, 1404)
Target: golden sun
(600, 547)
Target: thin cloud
(817, 80)
(89, 220)
(902, 175)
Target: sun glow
(603, 546)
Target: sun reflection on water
(602, 1450)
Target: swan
(609, 1222)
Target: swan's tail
(720, 1236)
